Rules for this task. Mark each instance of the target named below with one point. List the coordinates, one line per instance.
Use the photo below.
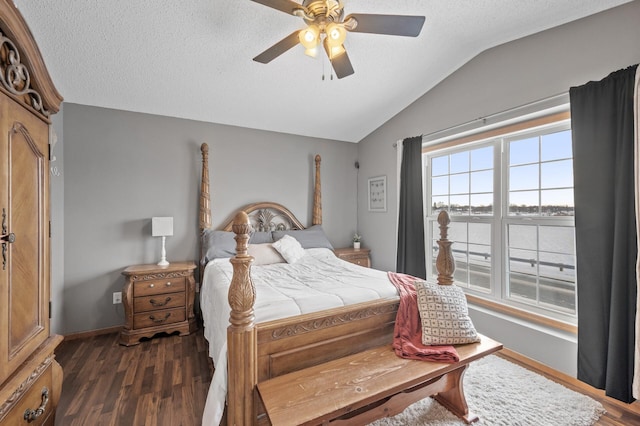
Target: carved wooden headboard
(264, 216)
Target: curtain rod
(535, 106)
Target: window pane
(523, 202)
(457, 233)
(482, 204)
(557, 202)
(523, 237)
(460, 162)
(557, 174)
(523, 177)
(440, 165)
(482, 181)
(557, 239)
(440, 185)
(439, 203)
(524, 151)
(459, 204)
(523, 274)
(555, 146)
(557, 287)
(460, 184)
(482, 159)
(480, 266)
(480, 233)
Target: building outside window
(510, 199)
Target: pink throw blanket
(407, 334)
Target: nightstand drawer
(358, 260)
(153, 287)
(151, 319)
(159, 301)
(356, 256)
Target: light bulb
(336, 33)
(309, 37)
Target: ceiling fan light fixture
(336, 33)
(309, 37)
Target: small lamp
(162, 227)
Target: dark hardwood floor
(164, 381)
(161, 381)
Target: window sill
(519, 313)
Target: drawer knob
(31, 415)
(152, 285)
(169, 284)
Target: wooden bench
(367, 386)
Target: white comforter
(318, 281)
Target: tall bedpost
(204, 213)
(242, 337)
(317, 196)
(445, 264)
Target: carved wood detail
(24, 74)
(161, 275)
(242, 337)
(8, 404)
(445, 263)
(317, 195)
(307, 327)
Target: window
(510, 199)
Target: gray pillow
(313, 237)
(217, 244)
(221, 244)
(260, 238)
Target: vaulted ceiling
(193, 59)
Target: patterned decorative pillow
(444, 315)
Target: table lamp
(162, 227)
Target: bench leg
(453, 399)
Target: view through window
(510, 199)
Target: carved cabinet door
(24, 233)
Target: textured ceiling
(193, 59)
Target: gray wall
(499, 79)
(122, 168)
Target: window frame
(499, 138)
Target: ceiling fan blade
(400, 25)
(278, 49)
(286, 6)
(342, 65)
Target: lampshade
(161, 226)
(309, 37)
(336, 34)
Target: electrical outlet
(117, 297)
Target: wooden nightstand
(358, 256)
(158, 299)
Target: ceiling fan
(327, 25)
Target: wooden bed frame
(258, 352)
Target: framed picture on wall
(378, 194)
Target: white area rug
(503, 393)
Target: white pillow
(264, 254)
(289, 248)
(444, 315)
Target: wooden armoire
(30, 377)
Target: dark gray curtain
(411, 245)
(603, 157)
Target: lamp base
(163, 254)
